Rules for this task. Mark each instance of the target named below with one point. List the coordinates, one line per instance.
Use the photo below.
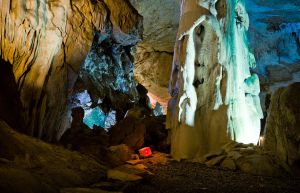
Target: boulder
(122, 176)
(259, 165)
(228, 164)
(156, 133)
(235, 155)
(130, 131)
(282, 131)
(16, 180)
(139, 129)
(34, 165)
(246, 158)
(215, 160)
(121, 152)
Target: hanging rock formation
(277, 24)
(214, 95)
(153, 56)
(47, 41)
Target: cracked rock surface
(47, 41)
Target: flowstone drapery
(214, 95)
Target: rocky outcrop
(30, 165)
(47, 42)
(247, 158)
(153, 56)
(279, 76)
(282, 131)
(138, 130)
(108, 73)
(130, 131)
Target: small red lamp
(145, 152)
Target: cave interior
(147, 96)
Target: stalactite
(216, 94)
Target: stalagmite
(214, 95)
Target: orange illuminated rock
(145, 152)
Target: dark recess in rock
(10, 104)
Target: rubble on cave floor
(30, 165)
(161, 173)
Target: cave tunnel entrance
(106, 88)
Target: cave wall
(47, 42)
(153, 56)
(282, 132)
(275, 23)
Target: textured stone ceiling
(274, 38)
(287, 11)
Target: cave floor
(187, 177)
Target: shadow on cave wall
(10, 104)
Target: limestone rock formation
(276, 23)
(30, 165)
(282, 132)
(214, 94)
(138, 130)
(153, 56)
(46, 42)
(108, 72)
(130, 131)
(247, 158)
(279, 76)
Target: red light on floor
(145, 152)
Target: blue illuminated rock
(214, 94)
(47, 41)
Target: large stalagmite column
(214, 95)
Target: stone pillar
(214, 96)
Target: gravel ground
(186, 177)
